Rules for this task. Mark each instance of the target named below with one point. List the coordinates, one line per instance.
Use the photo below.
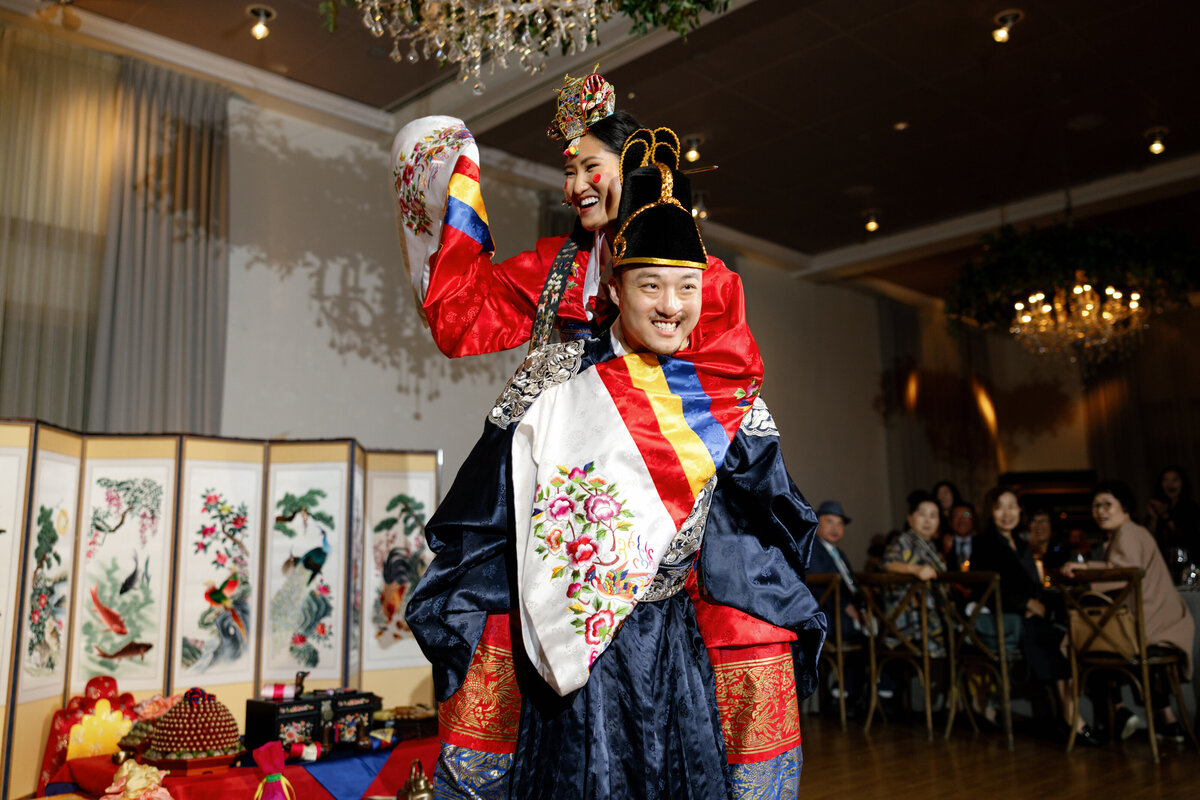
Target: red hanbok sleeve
(476, 306)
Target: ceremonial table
(336, 777)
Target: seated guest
(1022, 596)
(1044, 553)
(947, 496)
(962, 528)
(913, 553)
(1174, 517)
(828, 557)
(1169, 624)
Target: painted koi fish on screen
(111, 619)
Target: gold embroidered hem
(756, 696)
(485, 711)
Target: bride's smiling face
(592, 183)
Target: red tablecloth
(93, 775)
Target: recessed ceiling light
(261, 15)
(900, 126)
(1157, 137)
(1004, 22)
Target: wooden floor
(898, 762)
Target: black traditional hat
(656, 224)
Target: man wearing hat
(827, 557)
(621, 543)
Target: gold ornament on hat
(582, 102)
(659, 148)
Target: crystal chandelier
(1043, 287)
(470, 32)
(1079, 322)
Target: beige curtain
(160, 340)
(57, 115)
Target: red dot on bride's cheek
(596, 178)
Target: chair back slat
(966, 624)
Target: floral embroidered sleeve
(472, 304)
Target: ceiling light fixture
(262, 15)
(1156, 137)
(872, 223)
(1004, 22)
(469, 33)
(60, 9)
(692, 154)
(699, 207)
(1082, 294)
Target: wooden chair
(886, 642)
(1112, 636)
(828, 589)
(970, 649)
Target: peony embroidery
(581, 551)
(560, 507)
(601, 507)
(597, 626)
(599, 563)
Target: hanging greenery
(1163, 267)
(680, 16)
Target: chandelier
(471, 33)
(1079, 322)
(468, 32)
(1042, 286)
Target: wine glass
(1179, 561)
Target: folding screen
(170, 562)
(402, 491)
(307, 543)
(123, 578)
(216, 622)
(49, 530)
(354, 609)
(16, 440)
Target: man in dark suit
(962, 525)
(828, 557)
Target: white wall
(324, 335)
(820, 345)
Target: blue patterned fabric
(471, 774)
(777, 779)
